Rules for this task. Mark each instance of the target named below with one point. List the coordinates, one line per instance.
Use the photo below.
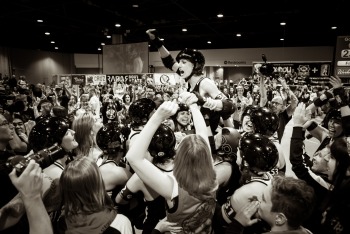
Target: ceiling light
(162, 39)
(283, 23)
(108, 36)
(52, 42)
(238, 35)
(282, 39)
(184, 29)
(118, 25)
(40, 21)
(220, 15)
(135, 5)
(209, 42)
(103, 43)
(47, 33)
(334, 27)
(56, 48)
(98, 48)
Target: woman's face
(247, 124)
(335, 128)
(127, 99)
(183, 118)
(323, 162)
(185, 68)
(68, 141)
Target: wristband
(168, 61)
(312, 126)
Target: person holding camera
(29, 185)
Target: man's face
(6, 130)
(264, 210)
(276, 105)
(19, 126)
(149, 93)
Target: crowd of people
(193, 158)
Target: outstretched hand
(335, 81)
(299, 116)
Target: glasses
(276, 103)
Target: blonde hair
(193, 167)
(82, 126)
(83, 190)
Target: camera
(266, 68)
(44, 158)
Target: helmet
(331, 114)
(140, 110)
(182, 107)
(229, 144)
(248, 110)
(195, 57)
(163, 142)
(47, 132)
(110, 138)
(265, 121)
(258, 151)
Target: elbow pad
(318, 102)
(168, 61)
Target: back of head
(140, 110)
(82, 126)
(265, 121)
(110, 138)
(60, 111)
(258, 151)
(47, 132)
(195, 57)
(193, 166)
(82, 188)
(294, 198)
(162, 145)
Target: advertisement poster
(130, 78)
(342, 59)
(302, 73)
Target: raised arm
(165, 55)
(147, 172)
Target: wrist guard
(168, 61)
(340, 96)
(312, 126)
(228, 108)
(201, 100)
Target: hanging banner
(78, 80)
(165, 79)
(64, 80)
(130, 78)
(93, 79)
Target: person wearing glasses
(283, 111)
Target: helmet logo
(160, 154)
